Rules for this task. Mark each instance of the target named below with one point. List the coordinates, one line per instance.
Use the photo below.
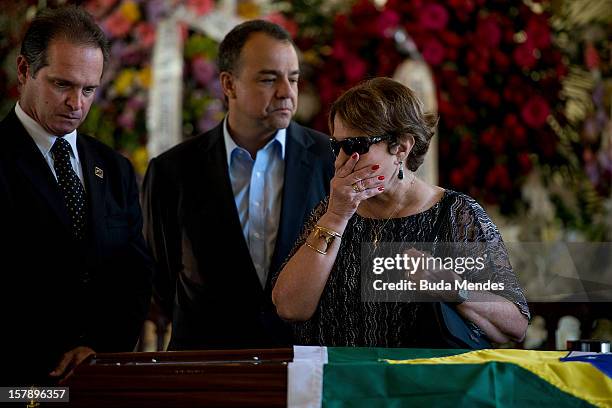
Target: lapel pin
(99, 172)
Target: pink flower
(146, 34)
(433, 51)
(117, 24)
(99, 7)
(535, 111)
(203, 70)
(200, 7)
(136, 103)
(386, 22)
(127, 119)
(433, 17)
(289, 25)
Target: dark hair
(232, 44)
(70, 23)
(383, 106)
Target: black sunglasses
(359, 145)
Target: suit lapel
(94, 179)
(215, 198)
(33, 165)
(298, 168)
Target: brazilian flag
(503, 378)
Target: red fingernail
(381, 177)
(354, 156)
(381, 188)
(375, 167)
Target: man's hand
(70, 361)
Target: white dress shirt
(45, 141)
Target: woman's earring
(400, 173)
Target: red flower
(502, 61)
(488, 32)
(466, 145)
(524, 162)
(547, 144)
(457, 180)
(433, 17)
(520, 136)
(471, 166)
(386, 22)
(433, 51)
(339, 50)
(354, 68)
(476, 62)
(538, 31)
(498, 178)
(493, 139)
(451, 39)
(591, 57)
(341, 26)
(535, 112)
(524, 55)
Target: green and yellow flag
(373, 377)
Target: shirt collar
(42, 138)
(230, 145)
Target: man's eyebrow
(68, 82)
(58, 79)
(275, 72)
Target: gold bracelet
(328, 236)
(316, 249)
(328, 231)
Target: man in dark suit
(223, 210)
(76, 273)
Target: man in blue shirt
(223, 210)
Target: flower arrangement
(118, 116)
(498, 77)
(582, 187)
(506, 97)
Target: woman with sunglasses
(380, 136)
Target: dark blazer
(62, 293)
(205, 277)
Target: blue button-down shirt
(258, 191)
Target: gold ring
(356, 188)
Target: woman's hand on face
(349, 186)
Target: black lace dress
(343, 319)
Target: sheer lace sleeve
(470, 223)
